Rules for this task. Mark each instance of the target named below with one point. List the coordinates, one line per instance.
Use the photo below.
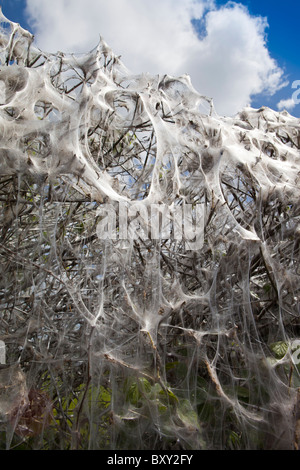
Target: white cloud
(287, 104)
(150, 36)
(230, 63)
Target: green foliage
(279, 349)
(143, 344)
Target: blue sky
(56, 29)
(283, 39)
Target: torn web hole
(113, 152)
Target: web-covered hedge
(143, 343)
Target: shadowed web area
(143, 342)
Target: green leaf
(242, 392)
(178, 369)
(202, 391)
(234, 440)
(267, 288)
(187, 414)
(279, 349)
(137, 390)
(172, 396)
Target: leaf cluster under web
(143, 343)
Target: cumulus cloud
(287, 104)
(229, 61)
(234, 61)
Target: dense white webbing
(112, 137)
